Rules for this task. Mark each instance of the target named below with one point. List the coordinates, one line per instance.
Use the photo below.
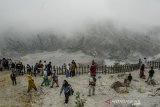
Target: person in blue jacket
(65, 88)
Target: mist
(68, 16)
(110, 28)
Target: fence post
(97, 69)
(62, 69)
(105, 69)
(88, 68)
(102, 69)
(82, 69)
(57, 70)
(111, 69)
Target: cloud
(70, 15)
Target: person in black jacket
(13, 66)
(151, 73)
(49, 68)
(130, 78)
(13, 78)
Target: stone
(116, 85)
(121, 90)
(141, 90)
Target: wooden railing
(103, 69)
(153, 64)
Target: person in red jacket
(93, 69)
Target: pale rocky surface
(12, 96)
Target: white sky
(70, 15)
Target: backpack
(70, 90)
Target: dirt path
(17, 96)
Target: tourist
(13, 78)
(67, 72)
(73, 68)
(35, 69)
(18, 68)
(92, 84)
(130, 78)
(29, 70)
(151, 73)
(54, 79)
(142, 72)
(45, 78)
(67, 89)
(13, 67)
(49, 69)
(45, 64)
(127, 80)
(40, 67)
(93, 68)
(31, 84)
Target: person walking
(13, 78)
(67, 89)
(54, 77)
(151, 73)
(49, 68)
(45, 78)
(92, 84)
(31, 84)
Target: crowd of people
(50, 77)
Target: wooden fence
(153, 64)
(103, 69)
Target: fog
(68, 16)
(110, 29)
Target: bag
(70, 90)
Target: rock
(111, 76)
(116, 85)
(121, 90)
(119, 87)
(141, 90)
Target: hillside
(101, 41)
